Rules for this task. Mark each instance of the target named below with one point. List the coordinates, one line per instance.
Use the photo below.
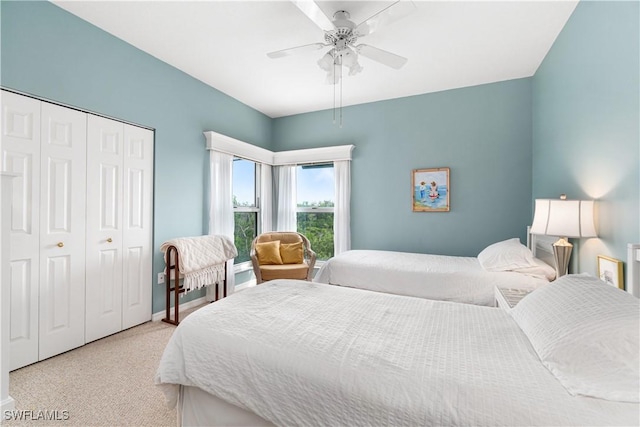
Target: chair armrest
(256, 266)
(311, 262)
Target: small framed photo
(610, 271)
(430, 190)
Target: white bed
(300, 353)
(438, 277)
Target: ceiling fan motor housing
(344, 34)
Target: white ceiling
(449, 44)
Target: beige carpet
(108, 382)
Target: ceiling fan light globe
(350, 60)
(327, 61)
(348, 57)
(355, 69)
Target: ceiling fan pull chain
(334, 90)
(341, 97)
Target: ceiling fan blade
(389, 14)
(382, 56)
(294, 50)
(313, 12)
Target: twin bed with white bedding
(300, 353)
(506, 264)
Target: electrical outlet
(160, 278)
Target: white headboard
(633, 269)
(541, 246)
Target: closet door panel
(20, 153)
(137, 237)
(104, 227)
(62, 229)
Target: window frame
(247, 265)
(316, 209)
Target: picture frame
(430, 190)
(610, 271)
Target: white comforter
(300, 353)
(438, 277)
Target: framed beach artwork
(610, 271)
(430, 190)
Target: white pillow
(587, 334)
(505, 256)
(541, 270)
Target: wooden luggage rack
(177, 288)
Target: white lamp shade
(564, 218)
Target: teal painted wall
(50, 53)
(574, 118)
(482, 133)
(586, 122)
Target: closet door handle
(109, 240)
(60, 244)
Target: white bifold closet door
(104, 227)
(119, 178)
(44, 145)
(137, 228)
(62, 229)
(21, 157)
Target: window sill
(242, 267)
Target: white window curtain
(266, 198)
(342, 208)
(286, 195)
(221, 208)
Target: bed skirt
(196, 407)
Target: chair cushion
(268, 253)
(292, 253)
(286, 271)
(283, 236)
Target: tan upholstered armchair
(282, 255)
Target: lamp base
(562, 254)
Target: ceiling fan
(342, 34)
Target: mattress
(300, 353)
(438, 277)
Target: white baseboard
(182, 307)
(8, 404)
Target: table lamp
(563, 218)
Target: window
(314, 215)
(314, 218)
(245, 206)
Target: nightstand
(507, 298)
